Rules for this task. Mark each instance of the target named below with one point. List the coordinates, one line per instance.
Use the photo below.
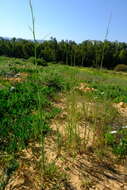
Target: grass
(20, 106)
(25, 116)
(97, 110)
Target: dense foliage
(88, 53)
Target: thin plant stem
(39, 95)
(33, 31)
(105, 38)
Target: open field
(62, 127)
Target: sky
(76, 20)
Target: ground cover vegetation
(81, 125)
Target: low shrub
(121, 67)
(19, 115)
(118, 142)
(39, 61)
(56, 81)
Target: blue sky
(65, 19)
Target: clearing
(56, 126)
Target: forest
(89, 53)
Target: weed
(73, 139)
(118, 142)
(53, 177)
(16, 110)
(9, 164)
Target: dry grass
(71, 162)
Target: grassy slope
(20, 111)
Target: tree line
(89, 53)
